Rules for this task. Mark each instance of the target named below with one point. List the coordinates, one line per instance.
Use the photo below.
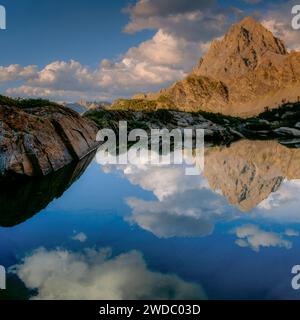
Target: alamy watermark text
(157, 147)
(2, 278)
(296, 17)
(2, 18)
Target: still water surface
(152, 232)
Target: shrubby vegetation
(286, 115)
(221, 119)
(25, 103)
(110, 119)
(147, 114)
(288, 112)
(135, 105)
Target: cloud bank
(97, 275)
(154, 63)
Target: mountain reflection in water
(246, 173)
(151, 231)
(249, 171)
(245, 176)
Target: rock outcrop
(246, 72)
(41, 140)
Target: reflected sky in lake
(144, 232)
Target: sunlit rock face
(41, 140)
(247, 172)
(241, 50)
(245, 72)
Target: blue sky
(56, 49)
(39, 32)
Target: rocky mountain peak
(246, 72)
(249, 32)
(240, 51)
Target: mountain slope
(246, 72)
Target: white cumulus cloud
(16, 72)
(97, 275)
(154, 63)
(253, 237)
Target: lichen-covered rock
(42, 140)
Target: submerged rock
(41, 140)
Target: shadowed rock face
(42, 140)
(247, 172)
(34, 194)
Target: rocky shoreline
(39, 140)
(282, 124)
